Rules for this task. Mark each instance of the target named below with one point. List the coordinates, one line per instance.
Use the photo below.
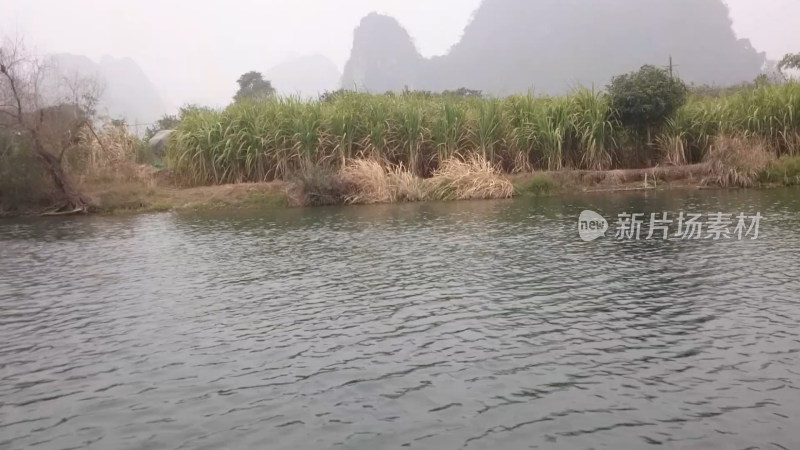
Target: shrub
(644, 100)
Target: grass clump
(316, 185)
(407, 187)
(784, 170)
(121, 196)
(471, 178)
(737, 160)
(367, 181)
(538, 184)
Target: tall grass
(363, 181)
(737, 160)
(272, 139)
(769, 113)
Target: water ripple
(463, 325)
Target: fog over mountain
(383, 57)
(552, 45)
(128, 93)
(306, 76)
(195, 51)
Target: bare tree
(49, 116)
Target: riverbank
(137, 197)
(355, 148)
(367, 181)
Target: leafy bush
(644, 100)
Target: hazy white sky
(194, 50)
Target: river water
(475, 325)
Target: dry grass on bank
(109, 154)
(737, 161)
(105, 156)
(369, 181)
(470, 178)
(107, 169)
(365, 181)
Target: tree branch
(4, 71)
(9, 114)
(91, 128)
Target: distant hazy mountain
(307, 76)
(128, 93)
(552, 45)
(383, 57)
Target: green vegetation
(644, 100)
(538, 184)
(766, 112)
(252, 86)
(784, 171)
(350, 147)
(274, 138)
(256, 141)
